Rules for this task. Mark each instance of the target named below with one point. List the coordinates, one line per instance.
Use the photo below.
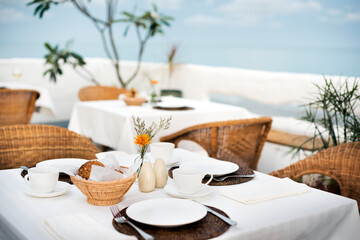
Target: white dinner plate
(213, 166)
(63, 164)
(60, 189)
(172, 190)
(166, 212)
(174, 105)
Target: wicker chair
(342, 163)
(29, 144)
(17, 106)
(238, 141)
(93, 93)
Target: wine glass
(17, 73)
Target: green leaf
(44, 10)
(168, 18)
(47, 45)
(78, 58)
(165, 22)
(126, 30)
(33, 2)
(128, 14)
(37, 9)
(155, 7)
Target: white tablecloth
(312, 215)
(44, 101)
(110, 122)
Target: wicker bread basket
(134, 101)
(104, 193)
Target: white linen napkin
(80, 226)
(264, 191)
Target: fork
(121, 219)
(242, 176)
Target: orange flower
(142, 140)
(154, 81)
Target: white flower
(154, 15)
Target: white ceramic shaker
(146, 178)
(160, 173)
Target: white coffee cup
(162, 150)
(189, 180)
(42, 179)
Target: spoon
(241, 176)
(25, 168)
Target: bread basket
(104, 193)
(134, 101)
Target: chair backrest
(17, 106)
(93, 93)
(171, 92)
(27, 145)
(238, 141)
(342, 163)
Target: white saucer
(63, 164)
(171, 190)
(172, 162)
(213, 166)
(60, 189)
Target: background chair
(171, 92)
(29, 144)
(238, 141)
(93, 93)
(17, 106)
(342, 163)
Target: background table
(110, 122)
(312, 215)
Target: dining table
(313, 214)
(110, 122)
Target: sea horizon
(334, 61)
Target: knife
(222, 217)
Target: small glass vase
(139, 160)
(153, 94)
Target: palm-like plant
(335, 114)
(147, 25)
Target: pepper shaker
(160, 173)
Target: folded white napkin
(80, 226)
(264, 191)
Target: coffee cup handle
(26, 179)
(208, 182)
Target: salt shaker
(160, 173)
(146, 178)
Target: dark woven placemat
(173, 109)
(228, 181)
(208, 227)
(62, 176)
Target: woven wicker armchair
(238, 141)
(17, 106)
(342, 163)
(29, 144)
(93, 93)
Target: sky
(305, 36)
